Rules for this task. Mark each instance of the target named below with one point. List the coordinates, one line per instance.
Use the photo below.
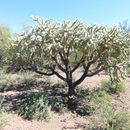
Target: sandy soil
(68, 121)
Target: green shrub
(36, 106)
(99, 101)
(114, 87)
(106, 117)
(88, 102)
(41, 105)
(83, 100)
(112, 121)
(57, 104)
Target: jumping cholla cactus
(67, 46)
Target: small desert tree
(64, 47)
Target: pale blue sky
(16, 13)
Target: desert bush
(41, 105)
(86, 103)
(83, 100)
(5, 45)
(57, 104)
(112, 121)
(106, 116)
(36, 106)
(114, 87)
(6, 81)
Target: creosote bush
(113, 87)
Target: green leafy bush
(114, 87)
(41, 105)
(36, 106)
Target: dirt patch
(68, 121)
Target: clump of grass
(28, 83)
(113, 87)
(7, 85)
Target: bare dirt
(67, 121)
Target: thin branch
(42, 73)
(58, 75)
(83, 75)
(58, 65)
(65, 61)
(33, 68)
(77, 65)
(62, 59)
(94, 73)
(85, 72)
